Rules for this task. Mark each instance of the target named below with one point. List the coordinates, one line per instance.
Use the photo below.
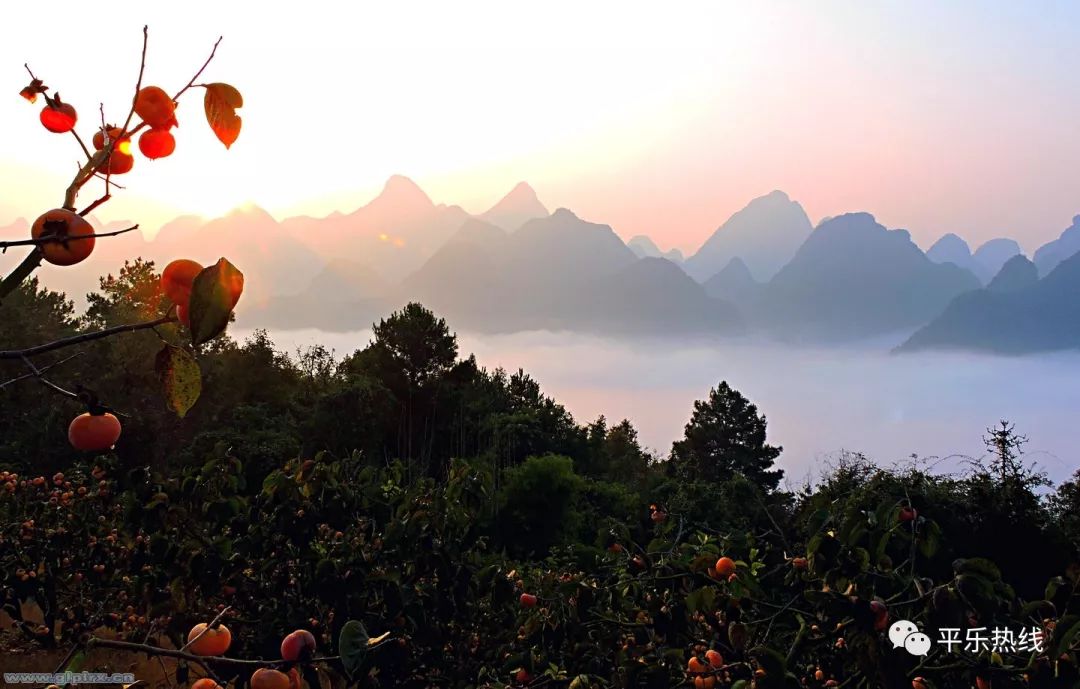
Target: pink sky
(663, 122)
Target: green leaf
(214, 294)
(930, 538)
(353, 647)
(702, 599)
(180, 377)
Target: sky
(936, 117)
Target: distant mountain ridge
(984, 263)
(644, 247)
(516, 266)
(765, 235)
(854, 278)
(1049, 255)
(515, 209)
(1031, 316)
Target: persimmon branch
(46, 240)
(198, 74)
(204, 661)
(20, 273)
(38, 372)
(213, 625)
(138, 82)
(86, 337)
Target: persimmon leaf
(214, 294)
(353, 646)
(31, 92)
(181, 379)
(220, 103)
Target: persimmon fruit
(177, 278)
(266, 678)
(99, 137)
(527, 600)
(694, 666)
(183, 315)
(522, 676)
(213, 643)
(93, 432)
(881, 614)
(714, 658)
(205, 683)
(298, 645)
(908, 514)
(155, 107)
(59, 118)
(919, 683)
(157, 143)
(725, 567)
(74, 236)
(119, 162)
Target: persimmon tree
(202, 298)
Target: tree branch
(138, 82)
(28, 265)
(85, 337)
(203, 661)
(46, 240)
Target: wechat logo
(904, 633)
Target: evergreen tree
(726, 435)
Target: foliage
(726, 435)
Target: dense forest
(481, 536)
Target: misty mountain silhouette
(735, 283)
(1018, 273)
(515, 209)
(394, 233)
(984, 263)
(992, 256)
(765, 235)
(644, 247)
(1049, 255)
(1041, 316)
(854, 278)
(562, 272)
(847, 278)
(557, 272)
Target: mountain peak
(1017, 273)
(765, 234)
(250, 211)
(400, 187)
(516, 208)
(522, 190)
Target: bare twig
(138, 82)
(48, 240)
(198, 74)
(43, 369)
(85, 337)
(204, 661)
(213, 625)
(46, 382)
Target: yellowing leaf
(220, 103)
(180, 378)
(376, 639)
